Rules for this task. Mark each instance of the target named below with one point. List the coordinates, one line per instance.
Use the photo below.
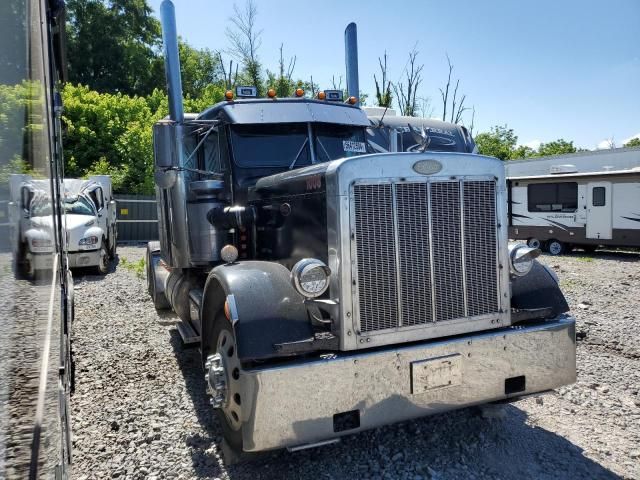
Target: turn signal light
(228, 95)
(299, 92)
(352, 100)
(322, 95)
(271, 93)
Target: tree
(500, 142)
(457, 103)
(406, 94)
(634, 142)
(245, 40)
(383, 90)
(557, 147)
(113, 45)
(522, 151)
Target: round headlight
(521, 258)
(310, 277)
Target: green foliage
(22, 149)
(500, 142)
(136, 267)
(557, 147)
(634, 142)
(115, 46)
(110, 133)
(112, 45)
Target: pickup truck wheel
(103, 264)
(223, 382)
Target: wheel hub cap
(216, 380)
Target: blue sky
(548, 69)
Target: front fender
(267, 308)
(537, 290)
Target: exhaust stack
(171, 60)
(351, 60)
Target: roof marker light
(299, 92)
(228, 95)
(352, 100)
(271, 93)
(322, 95)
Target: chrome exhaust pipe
(351, 60)
(171, 60)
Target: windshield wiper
(306, 140)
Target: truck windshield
(78, 206)
(272, 145)
(286, 145)
(338, 141)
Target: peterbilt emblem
(427, 167)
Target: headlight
(521, 258)
(92, 240)
(310, 277)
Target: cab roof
(285, 110)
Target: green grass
(136, 267)
(584, 259)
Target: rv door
(599, 210)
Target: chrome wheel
(223, 379)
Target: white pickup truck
(88, 223)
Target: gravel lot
(140, 410)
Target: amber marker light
(271, 93)
(352, 100)
(322, 95)
(299, 92)
(228, 95)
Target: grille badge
(427, 167)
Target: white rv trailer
(573, 205)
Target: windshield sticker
(356, 147)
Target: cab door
(599, 221)
(98, 199)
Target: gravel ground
(140, 409)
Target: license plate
(433, 373)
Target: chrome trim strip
(396, 234)
(431, 262)
(463, 251)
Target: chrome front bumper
(295, 404)
(88, 258)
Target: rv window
(553, 197)
(598, 196)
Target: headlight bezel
(521, 259)
(89, 241)
(306, 266)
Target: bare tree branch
(406, 93)
(445, 94)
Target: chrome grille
(415, 266)
(425, 252)
(480, 246)
(376, 248)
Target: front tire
(555, 247)
(103, 263)
(224, 352)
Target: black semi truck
(331, 289)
